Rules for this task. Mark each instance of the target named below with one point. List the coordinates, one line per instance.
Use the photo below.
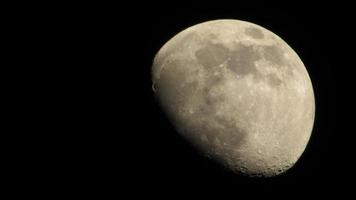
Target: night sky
(163, 159)
(112, 136)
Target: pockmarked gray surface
(238, 93)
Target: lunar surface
(238, 93)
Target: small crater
(242, 60)
(212, 55)
(154, 87)
(254, 33)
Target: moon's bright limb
(239, 93)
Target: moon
(238, 93)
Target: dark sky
(115, 140)
(321, 38)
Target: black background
(161, 161)
(103, 133)
(147, 154)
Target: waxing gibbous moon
(238, 93)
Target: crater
(212, 55)
(242, 60)
(254, 33)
